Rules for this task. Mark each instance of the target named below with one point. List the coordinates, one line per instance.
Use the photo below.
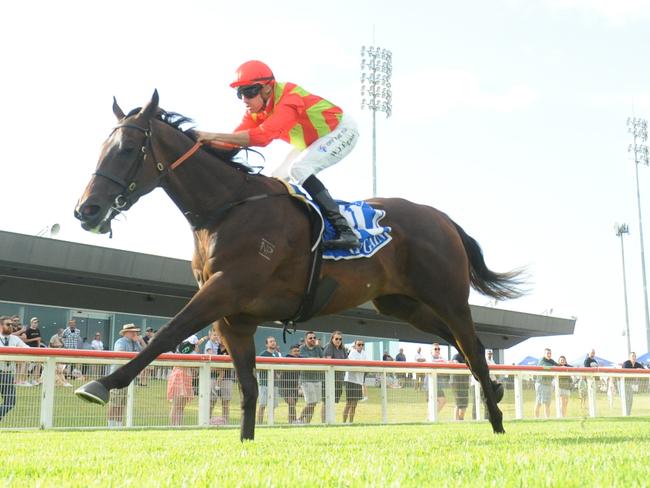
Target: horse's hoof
(93, 392)
(498, 391)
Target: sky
(510, 116)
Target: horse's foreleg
(237, 333)
(166, 340)
(214, 300)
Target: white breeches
(300, 164)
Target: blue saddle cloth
(364, 221)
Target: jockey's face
(258, 102)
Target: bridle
(130, 190)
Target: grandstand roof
(55, 272)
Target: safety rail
(201, 390)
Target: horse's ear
(117, 110)
(152, 106)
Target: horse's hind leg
(457, 331)
(461, 325)
(237, 333)
(415, 313)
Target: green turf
(568, 453)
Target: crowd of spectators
(289, 385)
(293, 384)
(544, 384)
(566, 384)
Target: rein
(185, 156)
(125, 200)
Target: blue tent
(528, 361)
(644, 359)
(580, 362)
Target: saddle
(364, 219)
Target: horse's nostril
(90, 210)
(86, 212)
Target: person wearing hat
(130, 341)
(320, 133)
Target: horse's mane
(176, 120)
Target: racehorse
(252, 254)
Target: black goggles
(249, 91)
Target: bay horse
(252, 254)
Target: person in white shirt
(56, 340)
(212, 344)
(353, 382)
(489, 357)
(419, 377)
(97, 344)
(8, 368)
(272, 352)
(130, 341)
(442, 379)
(419, 357)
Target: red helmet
(252, 72)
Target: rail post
(47, 393)
(591, 395)
(432, 397)
(478, 402)
(621, 389)
(519, 396)
(130, 400)
(330, 413)
(204, 393)
(558, 399)
(384, 399)
(270, 395)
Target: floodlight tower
(639, 130)
(376, 94)
(622, 230)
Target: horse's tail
(501, 286)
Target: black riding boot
(345, 237)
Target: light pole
(639, 130)
(376, 94)
(622, 230)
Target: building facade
(104, 288)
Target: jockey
(320, 133)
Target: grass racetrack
(588, 452)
